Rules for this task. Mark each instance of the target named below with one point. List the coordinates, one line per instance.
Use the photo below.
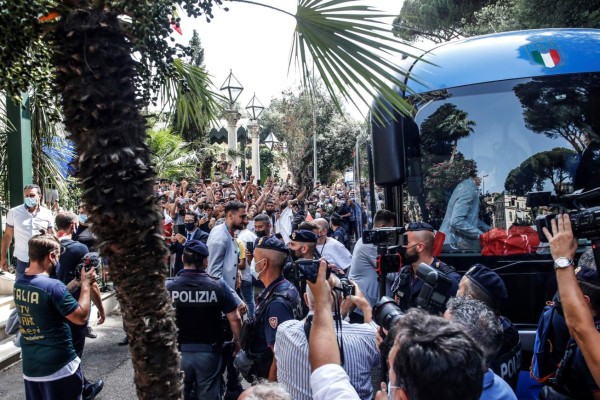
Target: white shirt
(26, 225)
(247, 236)
(336, 253)
(331, 382)
(293, 367)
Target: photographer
(430, 359)
(419, 249)
(51, 367)
(358, 343)
(578, 313)
(364, 264)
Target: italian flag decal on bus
(549, 59)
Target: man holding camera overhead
(277, 303)
(419, 249)
(359, 348)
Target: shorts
(67, 388)
(51, 195)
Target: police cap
(304, 236)
(588, 275)
(418, 226)
(488, 281)
(271, 243)
(196, 246)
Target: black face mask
(261, 233)
(407, 259)
(182, 212)
(190, 226)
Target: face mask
(83, 218)
(255, 273)
(261, 233)
(189, 226)
(408, 259)
(31, 202)
(182, 212)
(318, 215)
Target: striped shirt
(293, 367)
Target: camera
(386, 313)
(385, 237)
(305, 270)
(348, 288)
(434, 293)
(584, 212)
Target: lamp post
(232, 89)
(271, 141)
(255, 108)
(483, 184)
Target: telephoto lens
(386, 313)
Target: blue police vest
(199, 301)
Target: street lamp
(254, 109)
(271, 141)
(232, 89)
(483, 184)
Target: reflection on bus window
(478, 150)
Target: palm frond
(190, 97)
(353, 51)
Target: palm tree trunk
(96, 80)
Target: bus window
(481, 148)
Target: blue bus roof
(505, 56)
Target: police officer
(483, 284)
(303, 244)
(418, 249)
(277, 303)
(199, 300)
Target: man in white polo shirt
(23, 222)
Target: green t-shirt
(42, 304)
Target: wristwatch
(563, 262)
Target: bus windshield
(474, 152)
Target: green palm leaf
(190, 98)
(353, 52)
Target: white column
(255, 130)
(232, 116)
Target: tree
(558, 111)
(89, 45)
(445, 20)
(171, 156)
(290, 119)
(435, 20)
(196, 50)
(552, 166)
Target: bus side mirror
(388, 152)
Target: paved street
(102, 358)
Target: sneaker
(91, 334)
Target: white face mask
(255, 273)
(317, 215)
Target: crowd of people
(276, 285)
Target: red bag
(517, 240)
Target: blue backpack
(551, 340)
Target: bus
(496, 119)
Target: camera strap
(338, 327)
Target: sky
(254, 42)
